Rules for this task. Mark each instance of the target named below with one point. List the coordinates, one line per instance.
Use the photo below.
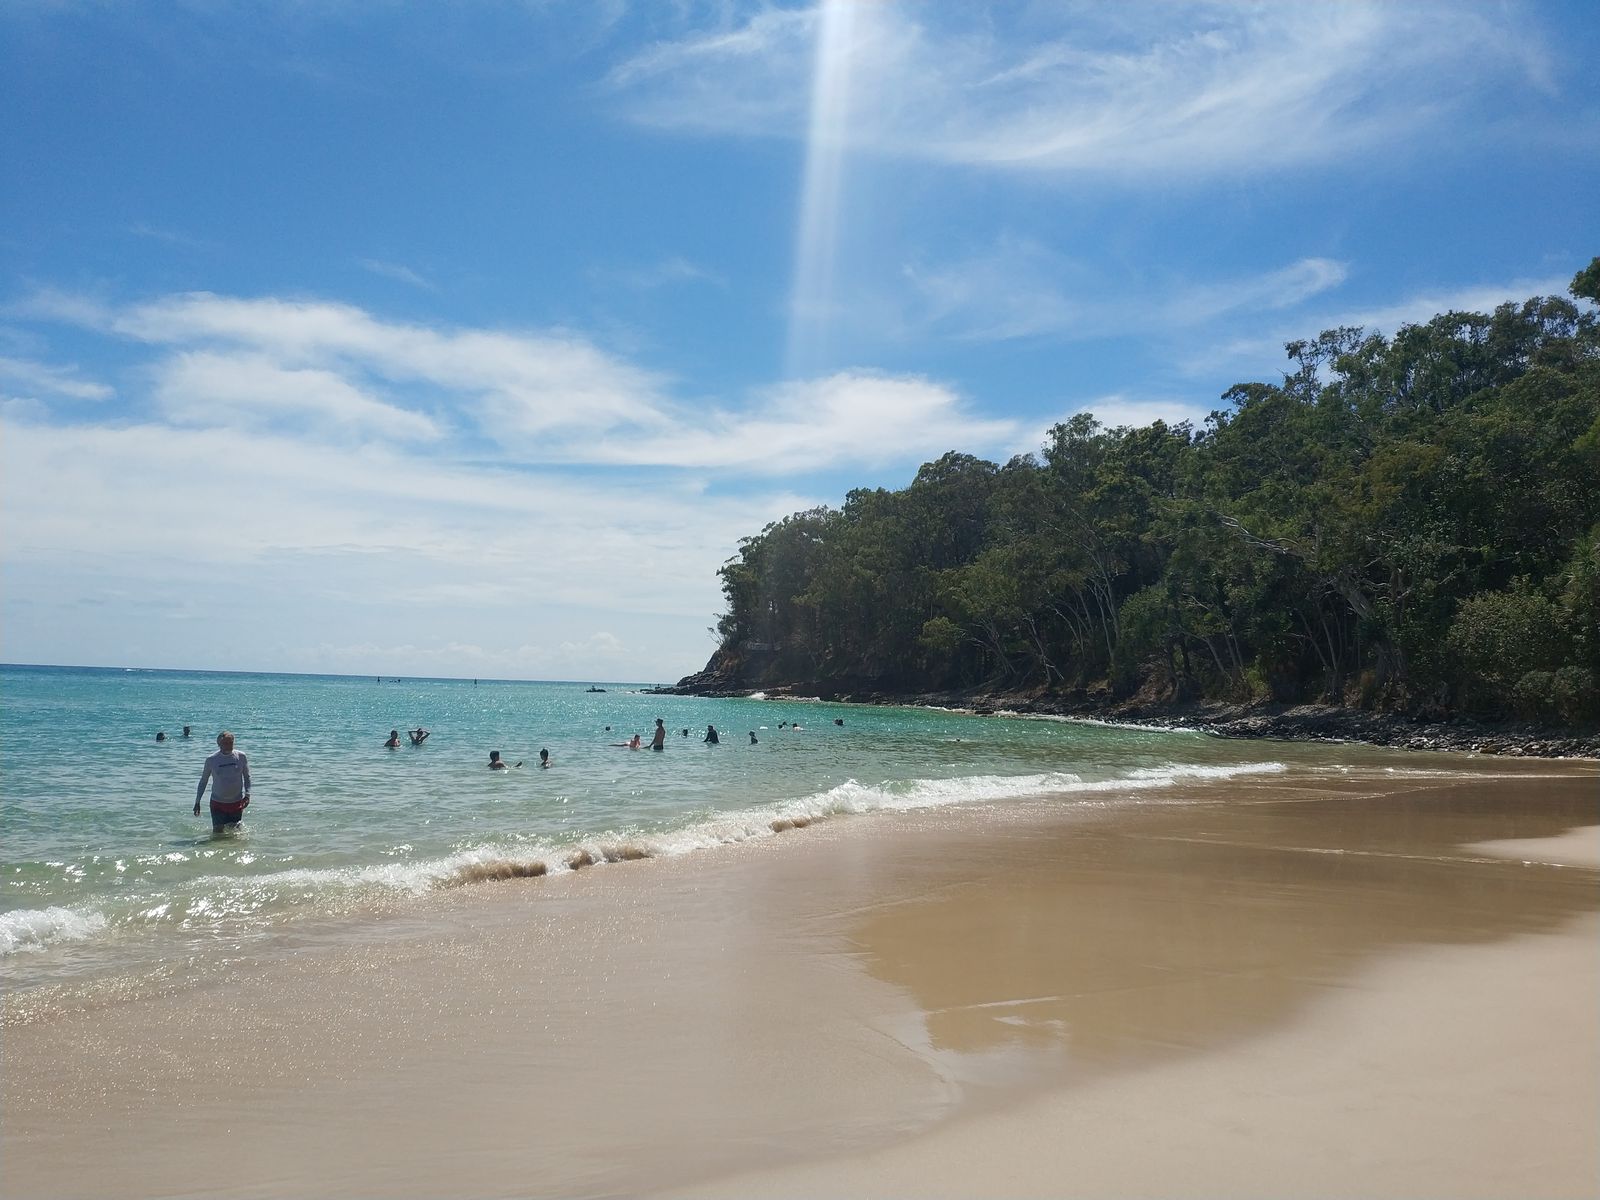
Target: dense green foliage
(1408, 522)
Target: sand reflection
(1069, 951)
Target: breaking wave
(32, 929)
(225, 902)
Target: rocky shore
(1304, 722)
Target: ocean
(109, 874)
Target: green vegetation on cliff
(1402, 523)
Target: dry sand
(1293, 987)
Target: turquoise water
(105, 866)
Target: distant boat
(595, 689)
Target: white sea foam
(31, 929)
(1175, 772)
(218, 899)
(1133, 726)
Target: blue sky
(468, 339)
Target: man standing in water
(659, 740)
(229, 776)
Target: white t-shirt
(229, 774)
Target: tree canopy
(1409, 522)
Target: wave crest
(30, 929)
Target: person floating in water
(752, 737)
(658, 739)
(711, 738)
(496, 763)
(394, 740)
(229, 776)
(544, 758)
(418, 735)
(631, 744)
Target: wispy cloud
(396, 271)
(668, 272)
(314, 545)
(1118, 409)
(1264, 352)
(170, 237)
(1177, 89)
(855, 417)
(48, 379)
(532, 397)
(249, 391)
(1019, 288)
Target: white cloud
(1162, 89)
(525, 384)
(1264, 353)
(396, 271)
(297, 543)
(850, 417)
(1117, 409)
(667, 272)
(1018, 288)
(1286, 287)
(250, 391)
(293, 366)
(1136, 411)
(51, 380)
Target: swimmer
(496, 763)
(838, 720)
(752, 737)
(394, 740)
(186, 732)
(418, 735)
(658, 739)
(229, 776)
(544, 759)
(711, 738)
(631, 744)
(161, 735)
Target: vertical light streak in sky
(812, 301)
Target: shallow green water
(104, 861)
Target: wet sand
(1287, 986)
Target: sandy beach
(1382, 984)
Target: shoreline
(866, 987)
(1328, 723)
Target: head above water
(225, 742)
(494, 756)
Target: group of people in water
(228, 771)
(658, 741)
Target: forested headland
(1404, 525)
